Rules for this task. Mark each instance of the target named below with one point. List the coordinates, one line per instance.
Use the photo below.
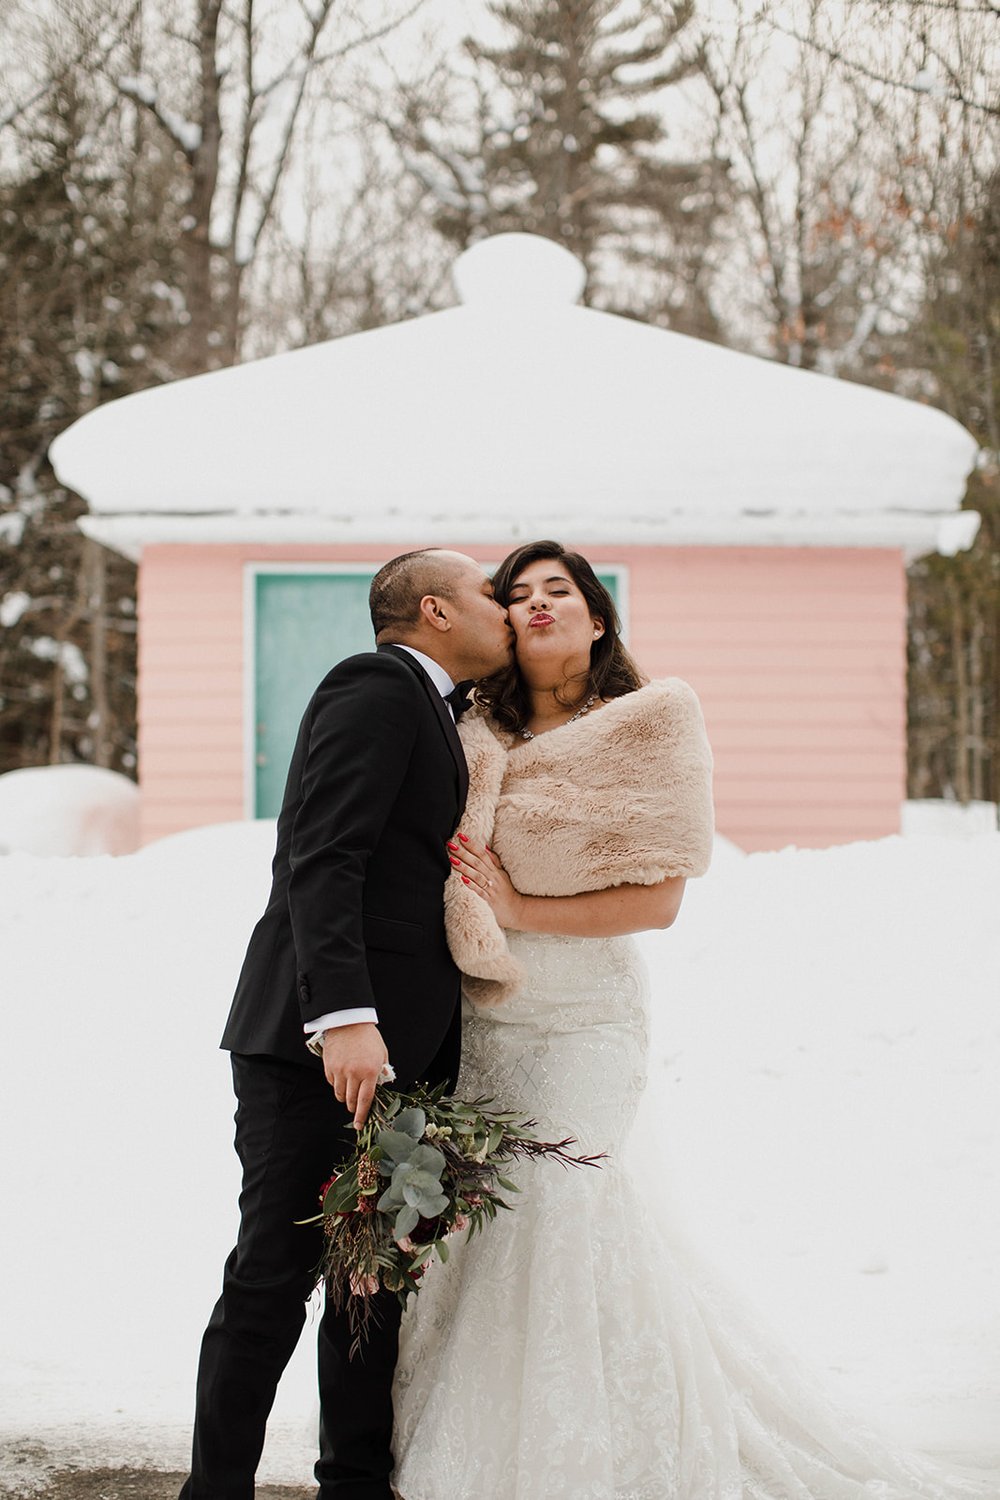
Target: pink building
(754, 522)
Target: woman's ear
(598, 629)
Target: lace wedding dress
(567, 1353)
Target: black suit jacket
(376, 785)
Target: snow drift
(822, 1105)
(64, 810)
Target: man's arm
(360, 742)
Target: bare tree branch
(853, 65)
(184, 133)
(83, 57)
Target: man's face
(479, 623)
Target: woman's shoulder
(655, 725)
(669, 690)
(659, 699)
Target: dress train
(572, 1352)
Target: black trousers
(290, 1133)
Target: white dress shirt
(314, 1029)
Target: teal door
(304, 623)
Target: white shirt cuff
(335, 1018)
(314, 1029)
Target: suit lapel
(444, 719)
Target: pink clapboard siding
(797, 654)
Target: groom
(350, 956)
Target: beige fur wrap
(623, 796)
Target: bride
(570, 1352)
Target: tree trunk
(977, 717)
(961, 740)
(56, 716)
(995, 740)
(95, 564)
(197, 244)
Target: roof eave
(915, 533)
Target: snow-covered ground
(824, 1096)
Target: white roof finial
(513, 269)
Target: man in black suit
(350, 958)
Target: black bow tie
(459, 698)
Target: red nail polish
(456, 862)
(466, 880)
(452, 846)
(463, 838)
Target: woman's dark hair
(611, 674)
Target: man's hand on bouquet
(353, 1059)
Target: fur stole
(621, 797)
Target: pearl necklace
(529, 734)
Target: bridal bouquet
(426, 1166)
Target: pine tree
(88, 311)
(570, 142)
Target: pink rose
(363, 1286)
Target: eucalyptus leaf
(406, 1172)
(406, 1222)
(442, 1250)
(428, 1159)
(397, 1145)
(411, 1122)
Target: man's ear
(432, 612)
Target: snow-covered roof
(518, 414)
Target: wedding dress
(568, 1352)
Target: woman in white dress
(569, 1352)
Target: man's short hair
(397, 589)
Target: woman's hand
(480, 869)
